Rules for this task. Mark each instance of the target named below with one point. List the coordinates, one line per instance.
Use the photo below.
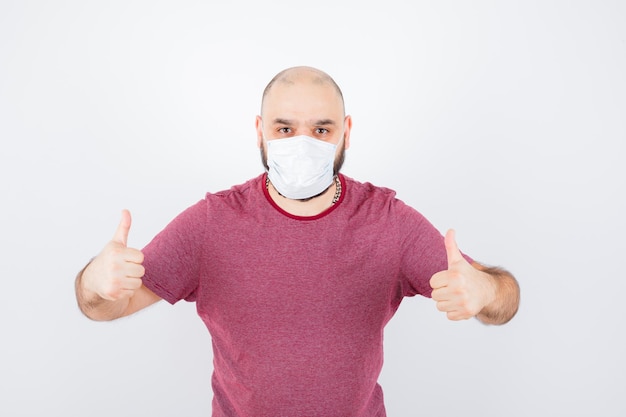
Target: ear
(347, 127)
(259, 131)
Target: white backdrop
(504, 120)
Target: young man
(296, 272)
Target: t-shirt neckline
(304, 218)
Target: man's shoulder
(370, 198)
(239, 190)
(367, 189)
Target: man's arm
(110, 286)
(467, 290)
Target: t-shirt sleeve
(422, 249)
(173, 259)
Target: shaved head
(303, 101)
(296, 75)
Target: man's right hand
(116, 272)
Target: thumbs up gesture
(117, 271)
(462, 290)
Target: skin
(303, 102)
(110, 286)
(299, 101)
(467, 290)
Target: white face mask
(300, 167)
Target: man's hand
(116, 272)
(461, 291)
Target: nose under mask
(301, 166)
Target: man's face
(304, 107)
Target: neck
(306, 207)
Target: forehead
(302, 98)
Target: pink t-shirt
(296, 306)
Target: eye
(321, 131)
(284, 130)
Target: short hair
(284, 76)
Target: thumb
(452, 249)
(121, 234)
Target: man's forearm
(507, 299)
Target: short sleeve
(173, 259)
(423, 251)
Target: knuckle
(110, 294)
(115, 249)
(115, 268)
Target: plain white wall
(505, 120)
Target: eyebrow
(279, 121)
(319, 122)
(324, 122)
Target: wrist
(504, 297)
(490, 290)
(86, 297)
